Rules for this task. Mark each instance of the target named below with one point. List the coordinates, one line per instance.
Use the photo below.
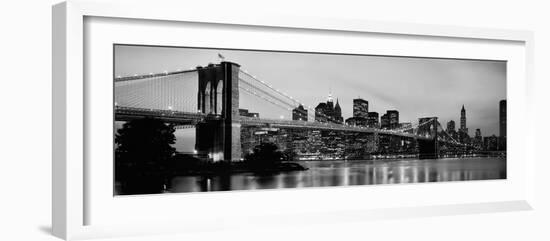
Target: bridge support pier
(219, 136)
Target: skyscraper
(490, 143)
(393, 116)
(390, 120)
(502, 118)
(299, 113)
(320, 112)
(478, 133)
(463, 127)
(338, 113)
(244, 112)
(451, 126)
(330, 101)
(385, 121)
(328, 112)
(360, 112)
(478, 140)
(372, 119)
(360, 108)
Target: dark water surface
(345, 173)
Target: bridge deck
(177, 117)
(187, 118)
(251, 121)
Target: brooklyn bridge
(208, 99)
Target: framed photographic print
(195, 120)
(219, 127)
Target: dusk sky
(416, 87)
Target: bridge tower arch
(219, 136)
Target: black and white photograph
(190, 119)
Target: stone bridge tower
(428, 149)
(219, 136)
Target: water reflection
(342, 173)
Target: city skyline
(482, 83)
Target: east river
(346, 173)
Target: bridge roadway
(251, 121)
(170, 116)
(188, 118)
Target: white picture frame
(72, 188)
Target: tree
(143, 152)
(265, 155)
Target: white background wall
(25, 107)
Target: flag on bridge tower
(222, 58)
